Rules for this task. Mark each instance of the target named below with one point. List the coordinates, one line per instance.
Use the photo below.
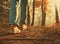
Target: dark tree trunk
(28, 18)
(57, 17)
(43, 15)
(33, 13)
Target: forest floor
(33, 35)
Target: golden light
(49, 8)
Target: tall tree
(28, 18)
(33, 12)
(57, 17)
(43, 7)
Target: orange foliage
(37, 3)
(45, 3)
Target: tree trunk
(33, 13)
(28, 18)
(43, 14)
(57, 17)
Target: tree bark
(57, 17)
(28, 18)
(33, 13)
(43, 14)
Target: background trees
(37, 17)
